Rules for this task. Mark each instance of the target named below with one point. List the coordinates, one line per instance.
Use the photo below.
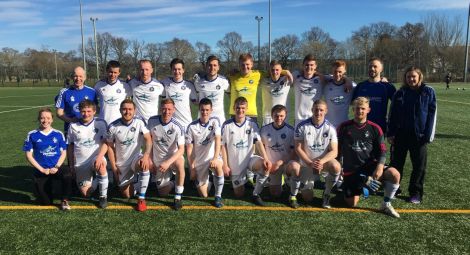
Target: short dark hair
(176, 61)
(113, 64)
(278, 108)
(376, 59)
(244, 57)
(212, 58)
(86, 103)
(145, 61)
(205, 101)
(308, 58)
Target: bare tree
(9, 57)
(119, 46)
(320, 43)
(203, 51)
(230, 47)
(286, 48)
(154, 52)
(136, 50)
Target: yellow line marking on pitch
(455, 102)
(236, 208)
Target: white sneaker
(388, 209)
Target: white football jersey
(202, 136)
(110, 97)
(239, 141)
(274, 93)
(316, 139)
(166, 137)
(279, 143)
(86, 139)
(215, 91)
(183, 93)
(146, 97)
(306, 92)
(128, 139)
(338, 102)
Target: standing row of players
(141, 97)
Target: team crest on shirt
(217, 87)
(133, 129)
(283, 136)
(282, 83)
(86, 97)
(39, 140)
(54, 140)
(72, 98)
(118, 91)
(251, 81)
(169, 132)
(183, 87)
(248, 132)
(96, 130)
(367, 134)
(268, 135)
(151, 88)
(210, 128)
(325, 134)
(315, 81)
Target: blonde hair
(361, 101)
(413, 69)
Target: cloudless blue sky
(55, 23)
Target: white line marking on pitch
(16, 106)
(456, 102)
(32, 107)
(29, 96)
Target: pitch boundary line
(456, 102)
(236, 208)
(28, 108)
(27, 96)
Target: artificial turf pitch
(441, 224)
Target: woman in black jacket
(411, 126)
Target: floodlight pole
(55, 63)
(259, 19)
(466, 47)
(269, 33)
(96, 48)
(83, 40)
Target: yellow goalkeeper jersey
(247, 87)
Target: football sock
(390, 190)
(330, 181)
(219, 185)
(103, 185)
(178, 191)
(144, 178)
(94, 184)
(295, 185)
(260, 180)
(209, 186)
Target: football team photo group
(346, 141)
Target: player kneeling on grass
(125, 139)
(45, 150)
(362, 150)
(239, 137)
(278, 140)
(203, 151)
(167, 151)
(85, 138)
(316, 144)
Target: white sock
(218, 185)
(103, 185)
(178, 191)
(94, 184)
(295, 185)
(144, 178)
(260, 180)
(390, 190)
(330, 181)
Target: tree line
(436, 45)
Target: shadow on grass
(16, 184)
(452, 136)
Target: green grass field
(422, 229)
